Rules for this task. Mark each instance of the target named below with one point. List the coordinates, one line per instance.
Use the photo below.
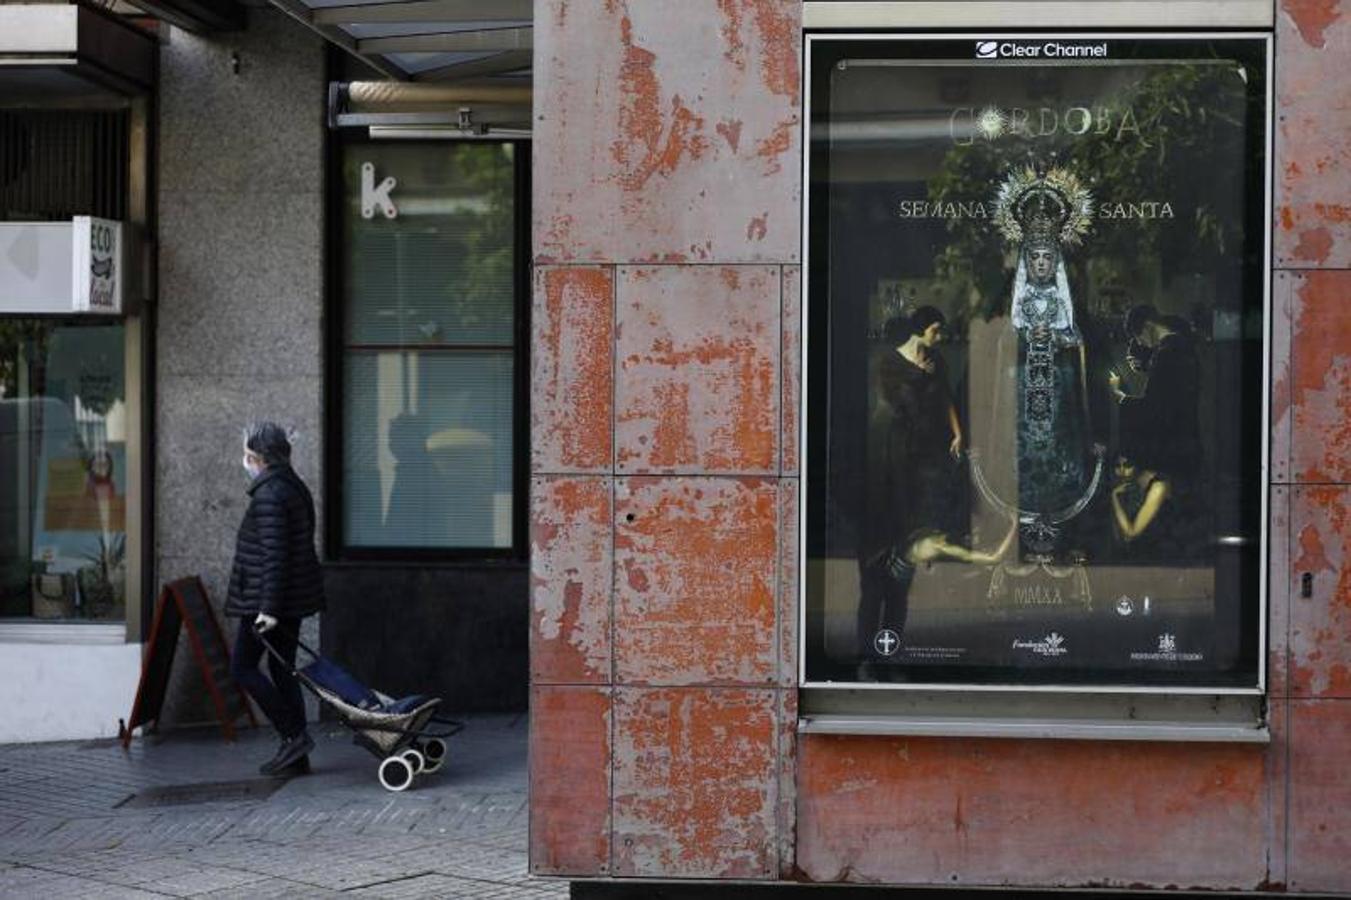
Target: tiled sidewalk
(69, 829)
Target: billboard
(1035, 361)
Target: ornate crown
(1043, 207)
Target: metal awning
(458, 68)
(57, 52)
(428, 40)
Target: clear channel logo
(1041, 49)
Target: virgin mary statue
(1050, 472)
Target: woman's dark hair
(900, 328)
(270, 441)
(1138, 317)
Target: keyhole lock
(1306, 585)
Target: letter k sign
(372, 196)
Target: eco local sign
(61, 267)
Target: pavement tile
(272, 889)
(459, 833)
(23, 882)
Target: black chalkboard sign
(184, 603)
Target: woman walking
(274, 583)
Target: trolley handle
(272, 651)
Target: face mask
(253, 470)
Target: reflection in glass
(1036, 327)
(429, 326)
(63, 494)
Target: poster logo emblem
(1168, 651)
(1051, 645)
(987, 49)
(887, 642)
(1124, 606)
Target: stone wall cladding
(239, 318)
(666, 211)
(1310, 701)
(667, 147)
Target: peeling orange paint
(1314, 245)
(1321, 377)
(698, 382)
(791, 318)
(778, 143)
(1287, 218)
(569, 780)
(1322, 329)
(1333, 212)
(570, 575)
(672, 442)
(704, 610)
(931, 810)
(1312, 557)
(757, 228)
(572, 384)
(780, 38)
(730, 129)
(731, 33)
(694, 783)
(641, 123)
(1321, 625)
(1312, 18)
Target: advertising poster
(1035, 372)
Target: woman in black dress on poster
(917, 455)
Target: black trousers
(279, 697)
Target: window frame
(336, 547)
(815, 393)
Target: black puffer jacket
(276, 570)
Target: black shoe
(299, 767)
(291, 751)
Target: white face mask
(253, 469)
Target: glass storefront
(1035, 374)
(63, 470)
(429, 356)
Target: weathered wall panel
(1320, 375)
(571, 579)
(572, 390)
(1313, 134)
(696, 563)
(1320, 796)
(570, 780)
(1282, 587)
(1320, 624)
(697, 369)
(947, 811)
(667, 132)
(788, 581)
(792, 367)
(1282, 301)
(695, 783)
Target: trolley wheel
(396, 773)
(434, 752)
(415, 759)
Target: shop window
(1035, 382)
(429, 393)
(63, 470)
